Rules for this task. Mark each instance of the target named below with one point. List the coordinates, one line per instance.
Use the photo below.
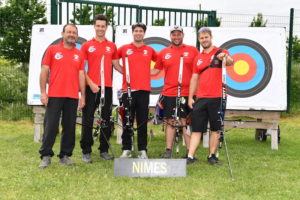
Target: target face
(252, 68)
(157, 81)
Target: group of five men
(64, 65)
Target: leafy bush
(13, 92)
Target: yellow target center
(241, 67)
(152, 65)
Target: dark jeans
(139, 108)
(92, 101)
(68, 108)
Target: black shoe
(213, 160)
(45, 162)
(106, 156)
(190, 160)
(167, 154)
(87, 158)
(65, 160)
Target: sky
(267, 7)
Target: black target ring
(264, 67)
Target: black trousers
(68, 108)
(92, 101)
(140, 110)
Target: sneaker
(126, 154)
(143, 154)
(213, 160)
(190, 160)
(167, 154)
(65, 160)
(87, 158)
(106, 156)
(45, 162)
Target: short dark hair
(64, 28)
(139, 24)
(101, 17)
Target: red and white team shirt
(64, 65)
(210, 80)
(139, 59)
(93, 51)
(169, 61)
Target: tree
(159, 22)
(86, 14)
(258, 21)
(204, 23)
(296, 49)
(16, 20)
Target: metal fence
(65, 11)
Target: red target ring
(244, 68)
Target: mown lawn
(261, 173)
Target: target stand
(263, 121)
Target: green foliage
(204, 23)
(296, 49)
(295, 89)
(159, 22)
(85, 15)
(13, 92)
(16, 20)
(5, 63)
(258, 21)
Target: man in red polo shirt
(169, 61)
(207, 77)
(64, 65)
(139, 60)
(94, 51)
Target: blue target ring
(261, 68)
(260, 71)
(157, 44)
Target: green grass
(261, 173)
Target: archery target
(252, 69)
(42, 37)
(257, 80)
(157, 81)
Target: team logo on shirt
(168, 56)
(91, 49)
(76, 57)
(58, 56)
(199, 62)
(185, 54)
(129, 52)
(145, 52)
(108, 49)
